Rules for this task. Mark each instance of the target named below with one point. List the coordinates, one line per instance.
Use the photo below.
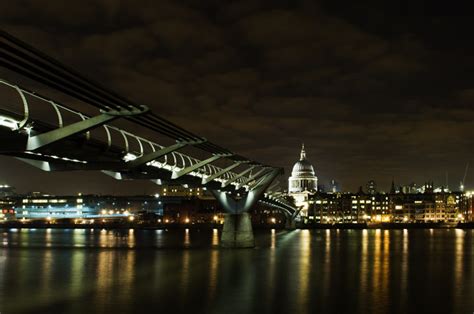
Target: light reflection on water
(213, 270)
(304, 270)
(376, 267)
(459, 266)
(187, 239)
(364, 269)
(215, 237)
(404, 267)
(327, 264)
(182, 271)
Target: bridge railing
(22, 59)
(23, 118)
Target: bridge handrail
(23, 59)
(107, 127)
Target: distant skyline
(27, 179)
(373, 92)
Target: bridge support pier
(237, 231)
(290, 224)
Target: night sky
(374, 91)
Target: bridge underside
(79, 153)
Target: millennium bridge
(123, 139)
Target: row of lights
(186, 220)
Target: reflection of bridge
(55, 137)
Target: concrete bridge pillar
(237, 231)
(290, 224)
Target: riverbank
(121, 225)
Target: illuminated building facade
(468, 206)
(182, 191)
(83, 206)
(6, 190)
(443, 207)
(7, 202)
(176, 205)
(348, 208)
(302, 182)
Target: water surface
(179, 271)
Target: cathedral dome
(302, 167)
(302, 177)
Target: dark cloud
(372, 94)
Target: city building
(182, 191)
(191, 210)
(176, 204)
(6, 190)
(334, 186)
(371, 187)
(50, 207)
(468, 205)
(7, 202)
(441, 207)
(348, 208)
(302, 182)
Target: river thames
(185, 271)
